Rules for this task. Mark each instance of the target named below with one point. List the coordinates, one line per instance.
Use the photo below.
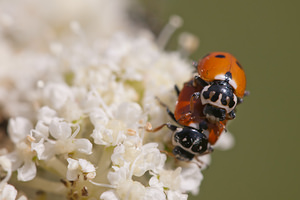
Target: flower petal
(22, 197)
(19, 128)
(109, 195)
(39, 148)
(9, 192)
(27, 172)
(46, 114)
(59, 129)
(83, 145)
(72, 173)
(118, 176)
(225, 142)
(57, 94)
(176, 195)
(191, 178)
(130, 113)
(154, 194)
(86, 166)
(150, 158)
(40, 131)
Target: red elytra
(215, 65)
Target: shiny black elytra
(187, 141)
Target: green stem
(56, 166)
(45, 185)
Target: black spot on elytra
(239, 64)
(231, 103)
(206, 94)
(220, 56)
(215, 97)
(223, 101)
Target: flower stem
(55, 165)
(47, 186)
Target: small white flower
(76, 167)
(92, 102)
(18, 129)
(21, 160)
(22, 157)
(118, 175)
(98, 117)
(56, 95)
(130, 189)
(170, 178)
(64, 141)
(41, 131)
(8, 192)
(190, 178)
(5, 164)
(46, 114)
(130, 113)
(110, 134)
(153, 193)
(22, 198)
(156, 189)
(225, 141)
(27, 171)
(59, 129)
(109, 195)
(150, 158)
(176, 195)
(141, 159)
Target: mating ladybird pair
(205, 104)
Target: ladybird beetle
(224, 83)
(194, 117)
(187, 141)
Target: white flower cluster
(78, 110)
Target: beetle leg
(177, 90)
(199, 162)
(240, 100)
(170, 113)
(195, 64)
(231, 115)
(168, 125)
(246, 93)
(199, 81)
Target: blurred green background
(264, 36)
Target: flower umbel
(78, 99)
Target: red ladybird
(224, 83)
